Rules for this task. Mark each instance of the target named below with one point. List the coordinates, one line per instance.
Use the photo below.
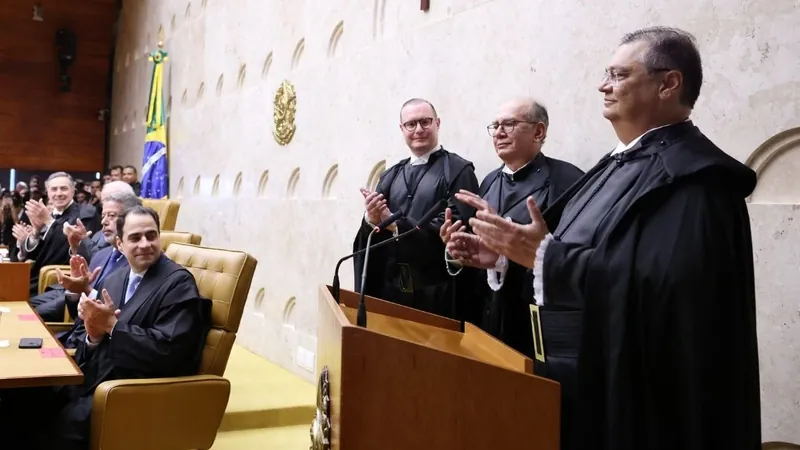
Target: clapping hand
(377, 209)
(80, 278)
(99, 316)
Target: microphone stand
(336, 284)
(361, 317)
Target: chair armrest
(159, 413)
(47, 275)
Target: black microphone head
(433, 212)
(389, 220)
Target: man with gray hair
(503, 293)
(50, 305)
(78, 236)
(643, 270)
(46, 244)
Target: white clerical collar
(420, 160)
(622, 147)
(507, 170)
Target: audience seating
(181, 412)
(167, 211)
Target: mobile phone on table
(30, 343)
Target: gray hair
(55, 175)
(536, 112)
(126, 199)
(672, 49)
(115, 187)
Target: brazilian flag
(155, 172)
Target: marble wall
(296, 208)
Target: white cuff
(449, 261)
(496, 276)
(538, 270)
(30, 244)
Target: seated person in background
(46, 244)
(81, 240)
(146, 322)
(50, 305)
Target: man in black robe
(47, 244)
(644, 270)
(518, 133)
(146, 322)
(411, 272)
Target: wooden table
(48, 366)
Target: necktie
(133, 283)
(109, 267)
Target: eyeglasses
(614, 76)
(424, 122)
(507, 125)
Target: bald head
(519, 130)
(116, 188)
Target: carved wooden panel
(42, 128)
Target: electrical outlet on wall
(305, 358)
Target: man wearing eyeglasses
(644, 270)
(411, 272)
(518, 134)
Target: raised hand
(376, 207)
(80, 279)
(448, 227)
(469, 250)
(99, 316)
(38, 214)
(474, 200)
(517, 242)
(21, 231)
(75, 233)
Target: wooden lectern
(15, 282)
(412, 381)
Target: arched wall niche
(777, 165)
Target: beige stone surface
(353, 63)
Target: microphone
(429, 215)
(361, 317)
(389, 220)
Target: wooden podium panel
(412, 380)
(15, 282)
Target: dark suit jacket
(161, 330)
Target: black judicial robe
(412, 272)
(652, 255)
(505, 313)
(160, 333)
(54, 248)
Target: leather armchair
(181, 413)
(167, 211)
(47, 274)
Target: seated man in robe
(146, 322)
(518, 133)
(46, 244)
(50, 305)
